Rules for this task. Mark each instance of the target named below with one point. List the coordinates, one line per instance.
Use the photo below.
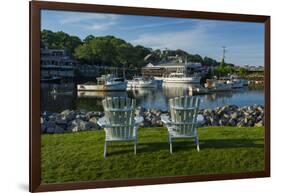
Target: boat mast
(123, 72)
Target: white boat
(141, 82)
(104, 83)
(235, 83)
(215, 85)
(181, 78)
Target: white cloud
(196, 37)
(153, 25)
(101, 26)
(88, 21)
(74, 17)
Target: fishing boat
(180, 77)
(104, 83)
(235, 83)
(214, 85)
(141, 82)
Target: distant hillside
(112, 51)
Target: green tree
(88, 38)
(111, 51)
(59, 40)
(242, 71)
(209, 61)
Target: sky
(244, 41)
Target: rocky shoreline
(81, 120)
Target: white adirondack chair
(184, 120)
(119, 122)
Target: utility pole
(223, 52)
(222, 64)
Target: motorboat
(214, 85)
(141, 82)
(104, 83)
(236, 83)
(179, 77)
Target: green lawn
(79, 156)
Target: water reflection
(100, 94)
(57, 97)
(177, 89)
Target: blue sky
(244, 40)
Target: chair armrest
(102, 122)
(138, 120)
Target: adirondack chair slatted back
(184, 114)
(119, 115)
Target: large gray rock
(50, 130)
(232, 122)
(234, 115)
(69, 116)
(140, 111)
(90, 114)
(65, 112)
(80, 125)
(94, 120)
(61, 121)
(58, 129)
(48, 124)
(82, 117)
(259, 124)
(42, 120)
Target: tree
(88, 38)
(209, 61)
(242, 71)
(59, 40)
(111, 51)
(222, 64)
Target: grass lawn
(79, 156)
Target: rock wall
(82, 120)
(232, 115)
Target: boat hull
(94, 87)
(220, 89)
(152, 84)
(236, 84)
(182, 80)
(101, 94)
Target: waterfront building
(57, 62)
(167, 68)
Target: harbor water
(58, 97)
